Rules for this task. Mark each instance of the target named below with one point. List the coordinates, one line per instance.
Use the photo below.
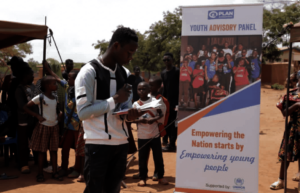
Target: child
(147, 129)
(185, 79)
(198, 83)
(293, 142)
(46, 133)
(72, 123)
(240, 75)
(155, 85)
(216, 90)
(23, 94)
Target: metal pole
(58, 53)
(44, 49)
(286, 137)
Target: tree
(102, 45)
(162, 36)
(273, 21)
(33, 64)
(20, 50)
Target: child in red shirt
(198, 83)
(240, 75)
(185, 79)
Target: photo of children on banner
(216, 71)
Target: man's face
(123, 54)
(203, 47)
(244, 52)
(137, 72)
(254, 53)
(226, 45)
(69, 66)
(195, 57)
(185, 63)
(240, 47)
(167, 60)
(213, 56)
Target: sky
(77, 24)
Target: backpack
(162, 126)
(293, 98)
(41, 98)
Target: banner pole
(44, 48)
(286, 137)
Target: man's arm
(84, 93)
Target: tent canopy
(12, 33)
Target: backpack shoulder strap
(140, 102)
(41, 97)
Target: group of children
(38, 107)
(39, 114)
(211, 76)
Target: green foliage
(33, 64)
(277, 86)
(102, 45)
(162, 36)
(20, 50)
(273, 20)
(56, 68)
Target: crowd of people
(92, 95)
(210, 75)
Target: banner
(219, 99)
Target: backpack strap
(41, 97)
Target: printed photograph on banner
(213, 67)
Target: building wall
(275, 73)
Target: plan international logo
(221, 14)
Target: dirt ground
(271, 126)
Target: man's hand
(122, 94)
(134, 114)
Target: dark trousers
(155, 145)
(23, 137)
(227, 81)
(171, 130)
(105, 167)
(70, 139)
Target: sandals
(142, 183)
(25, 170)
(57, 176)
(74, 174)
(80, 178)
(163, 181)
(40, 178)
(6, 177)
(277, 185)
(296, 177)
(155, 177)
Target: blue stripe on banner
(247, 97)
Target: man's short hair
(123, 35)
(169, 54)
(69, 61)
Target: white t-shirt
(227, 50)
(49, 110)
(147, 131)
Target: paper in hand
(156, 104)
